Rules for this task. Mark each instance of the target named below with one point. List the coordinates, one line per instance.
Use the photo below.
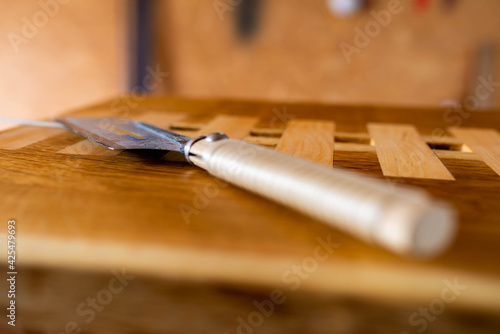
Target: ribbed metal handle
(402, 219)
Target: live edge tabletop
(119, 241)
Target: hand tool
(403, 219)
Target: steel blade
(126, 134)
(18, 121)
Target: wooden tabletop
(79, 205)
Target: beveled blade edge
(121, 133)
(67, 122)
(175, 137)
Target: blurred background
(56, 55)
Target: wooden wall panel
(72, 57)
(421, 58)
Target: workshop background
(58, 54)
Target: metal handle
(403, 219)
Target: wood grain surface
(237, 127)
(23, 136)
(167, 222)
(309, 139)
(403, 153)
(483, 142)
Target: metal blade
(126, 134)
(30, 122)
